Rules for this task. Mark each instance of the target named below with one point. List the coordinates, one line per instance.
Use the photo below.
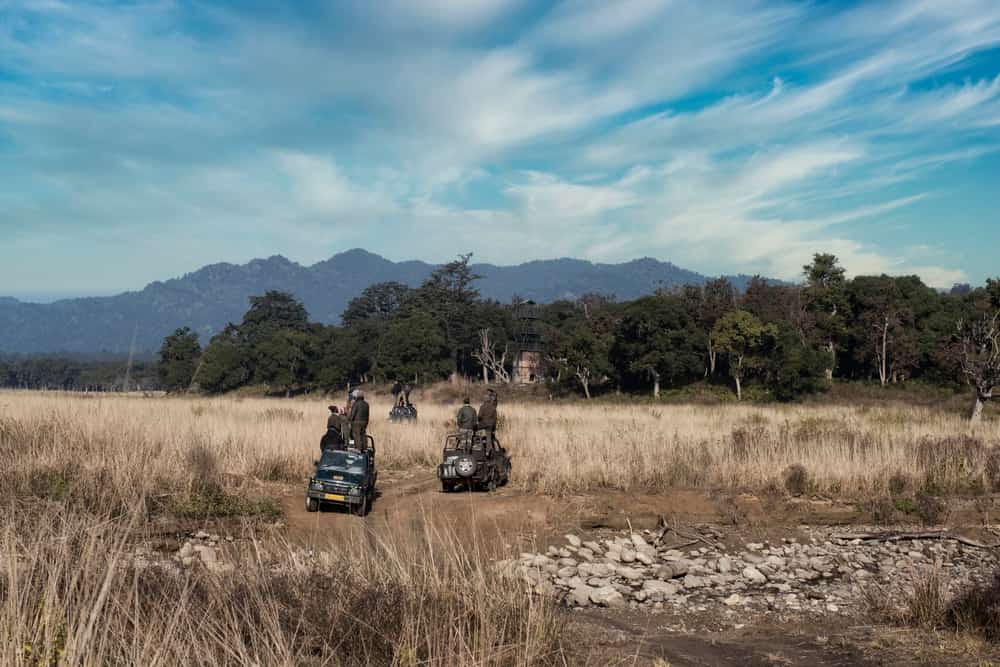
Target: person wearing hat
(466, 417)
(359, 420)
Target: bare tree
(980, 341)
(486, 355)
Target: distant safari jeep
(344, 477)
(473, 460)
(401, 414)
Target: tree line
(77, 374)
(786, 340)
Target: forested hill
(208, 298)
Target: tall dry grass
(72, 592)
(131, 445)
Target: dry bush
(923, 606)
(78, 595)
(899, 483)
(881, 508)
(974, 611)
(797, 480)
(932, 510)
(977, 610)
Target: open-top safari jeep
(345, 477)
(401, 414)
(473, 460)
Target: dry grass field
(83, 479)
(136, 445)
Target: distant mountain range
(207, 299)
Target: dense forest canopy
(785, 340)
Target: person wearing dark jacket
(466, 417)
(487, 417)
(359, 420)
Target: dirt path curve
(408, 501)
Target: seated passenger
(331, 440)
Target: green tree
(658, 342)
(742, 338)
(179, 357)
(826, 300)
(979, 340)
(413, 347)
(274, 311)
(449, 297)
(796, 369)
(224, 363)
(706, 304)
(281, 359)
(578, 340)
(380, 301)
(340, 358)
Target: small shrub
(51, 484)
(203, 467)
(899, 483)
(905, 505)
(925, 605)
(276, 469)
(932, 510)
(992, 467)
(219, 505)
(731, 514)
(797, 480)
(881, 509)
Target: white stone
(655, 586)
(644, 558)
(754, 575)
(607, 596)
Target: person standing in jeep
(487, 418)
(466, 417)
(359, 420)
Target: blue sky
(142, 140)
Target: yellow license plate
(333, 496)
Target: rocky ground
(828, 573)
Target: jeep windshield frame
(351, 463)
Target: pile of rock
(203, 548)
(820, 574)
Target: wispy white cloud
(728, 136)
